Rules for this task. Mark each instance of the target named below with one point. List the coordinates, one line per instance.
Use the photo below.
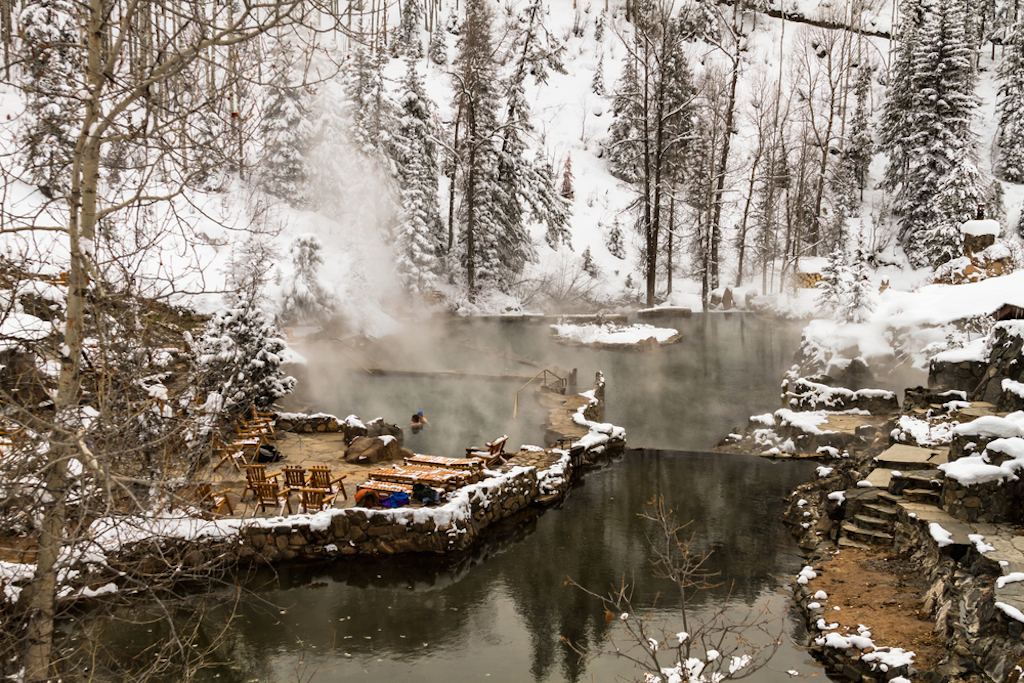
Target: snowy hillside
(758, 173)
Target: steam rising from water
(684, 396)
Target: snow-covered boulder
(371, 449)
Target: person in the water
(419, 421)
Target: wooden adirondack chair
(239, 452)
(294, 477)
(269, 494)
(320, 478)
(213, 502)
(494, 453)
(314, 500)
(257, 474)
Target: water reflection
(503, 611)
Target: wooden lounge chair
(314, 500)
(320, 478)
(294, 477)
(239, 453)
(257, 474)
(493, 454)
(212, 502)
(269, 494)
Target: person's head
(420, 413)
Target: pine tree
(834, 286)
(285, 130)
(330, 157)
(932, 157)
(861, 143)
(898, 109)
(438, 50)
(49, 33)
(475, 81)
(597, 85)
(654, 124)
(589, 266)
(238, 361)
(567, 191)
(369, 112)
(419, 230)
(370, 119)
(858, 303)
(616, 241)
(1010, 106)
(623, 150)
(407, 36)
(305, 298)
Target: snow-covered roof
(984, 227)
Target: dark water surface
(504, 611)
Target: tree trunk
(723, 167)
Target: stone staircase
(904, 473)
(907, 489)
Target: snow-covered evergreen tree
(438, 50)
(305, 299)
(285, 129)
(615, 241)
(861, 144)
(834, 287)
(331, 165)
(419, 231)
(49, 32)
(238, 362)
(475, 81)
(623, 152)
(597, 85)
(589, 265)
(858, 302)
(369, 111)
(1010, 106)
(567, 190)
(932, 170)
(407, 36)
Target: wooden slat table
(417, 474)
(471, 465)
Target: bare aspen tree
(136, 95)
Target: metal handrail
(545, 372)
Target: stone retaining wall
(360, 531)
(963, 376)
(994, 502)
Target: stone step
(845, 542)
(909, 458)
(918, 479)
(872, 523)
(879, 477)
(882, 510)
(851, 530)
(892, 498)
(930, 496)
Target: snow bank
(612, 334)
